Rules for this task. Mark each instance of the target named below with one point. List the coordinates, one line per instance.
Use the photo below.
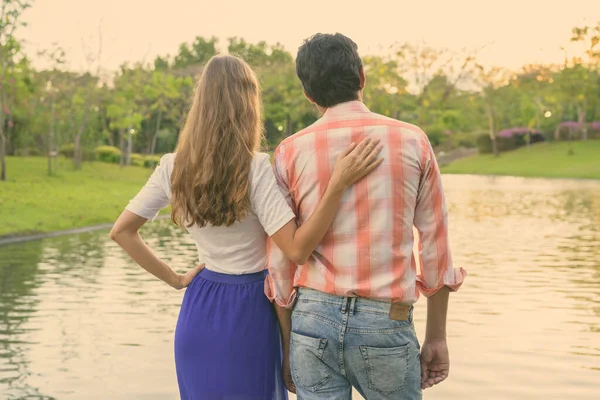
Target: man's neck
(323, 110)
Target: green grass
(33, 202)
(547, 160)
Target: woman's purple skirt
(227, 343)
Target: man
(351, 324)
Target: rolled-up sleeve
(279, 285)
(431, 221)
(156, 193)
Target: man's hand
(435, 363)
(287, 376)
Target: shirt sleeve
(279, 285)
(431, 221)
(268, 202)
(156, 193)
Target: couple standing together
(308, 275)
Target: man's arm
(438, 276)
(284, 315)
(279, 286)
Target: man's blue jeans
(340, 342)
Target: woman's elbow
(114, 235)
(117, 234)
(299, 257)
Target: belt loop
(352, 306)
(344, 305)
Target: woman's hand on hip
(185, 279)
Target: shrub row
(112, 154)
(484, 143)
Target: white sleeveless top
(237, 249)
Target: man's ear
(363, 78)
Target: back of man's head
(329, 68)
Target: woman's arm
(125, 233)
(352, 165)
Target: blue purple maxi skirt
(227, 343)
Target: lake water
(80, 321)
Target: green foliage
(67, 150)
(137, 160)
(146, 104)
(150, 161)
(108, 154)
(484, 143)
(29, 152)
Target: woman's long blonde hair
(210, 179)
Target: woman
(227, 343)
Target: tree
(85, 97)
(10, 14)
(162, 90)
(56, 56)
(489, 80)
(123, 111)
(429, 70)
(386, 90)
(198, 53)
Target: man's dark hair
(329, 68)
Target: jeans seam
(317, 317)
(382, 331)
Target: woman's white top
(237, 249)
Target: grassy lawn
(33, 202)
(546, 160)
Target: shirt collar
(345, 108)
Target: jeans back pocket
(310, 372)
(386, 368)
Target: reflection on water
(79, 321)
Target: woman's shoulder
(166, 163)
(168, 158)
(260, 162)
(261, 157)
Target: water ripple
(78, 320)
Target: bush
(29, 151)
(151, 161)
(137, 160)
(88, 154)
(107, 154)
(484, 143)
(67, 150)
(436, 135)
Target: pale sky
(514, 32)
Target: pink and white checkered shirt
(368, 251)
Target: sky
(509, 33)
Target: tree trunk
(111, 140)
(77, 152)
(77, 140)
(51, 137)
(581, 117)
(2, 136)
(492, 131)
(155, 137)
(121, 147)
(129, 146)
(57, 139)
(2, 154)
